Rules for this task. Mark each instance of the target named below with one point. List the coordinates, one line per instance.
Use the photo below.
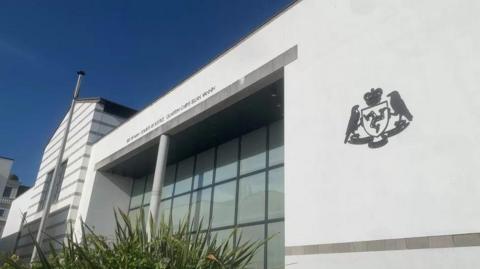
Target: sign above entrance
(172, 114)
(380, 119)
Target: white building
(12, 190)
(257, 139)
(92, 119)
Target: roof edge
(213, 59)
(6, 158)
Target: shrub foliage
(187, 247)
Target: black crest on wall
(378, 120)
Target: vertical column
(158, 178)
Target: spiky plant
(188, 247)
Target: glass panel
(146, 212)
(253, 150)
(227, 161)
(275, 193)
(148, 190)
(222, 236)
(7, 192)
(276, 143)
(164, 211)
(276, 246)
(58, 187)
(204, 169)
(133, 215)
(201, 207)
(180, 210)
(254, 234)
(167, 189)
(251, 198)
(184, 176)
(137, 192)
(224, 204)
(46, 186)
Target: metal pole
(54, 181)
(24, 217)
(158, 179)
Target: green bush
(185, 248)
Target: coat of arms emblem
(380, 119)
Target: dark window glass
(46, 186)
(183, 181)
(7, 192)
(58, 187)
(204, 169)
(227, 155)
(138, 190)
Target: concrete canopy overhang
(241, 102)
(260, 108)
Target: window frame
(10, 190)
(194, 191)
(56, 189)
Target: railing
(5, 200)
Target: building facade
(5, 169)
(12, 190)
(347, 129)
(92, 119)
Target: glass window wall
(239, 183)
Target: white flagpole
(54, 180)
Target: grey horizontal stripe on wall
(97, 133)
(104, 123)
(52, 151)
(57, 237)
(70, 137)
(61, 126)
(66, 176)
(60, 133)
(223, 98)
(70, 163)
(58, 224)
(39, 184)
(64, 198)
(46, 163)
(78, 180)
(426, 242)
(45, 171)
(71, 207)
(70, 195)
(72, 183)
(76, 170)
(52, 214)
(71, 153)
(27, 232)
(75, 122)
(76, 141)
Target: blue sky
(132, 51)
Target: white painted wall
(423, 182)
(108, 192)
(12, 226)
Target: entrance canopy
(263, 105)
